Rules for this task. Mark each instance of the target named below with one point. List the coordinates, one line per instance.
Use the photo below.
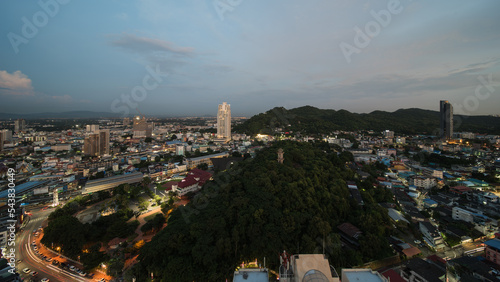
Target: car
(417, 242)
(19, 261)
(33, 243)
(35, 248)
(55, 262)
(81, 273)
(48, 259)
(34, 273)
(26, 270)
(90, 275)
(72, 268)
(45, 280)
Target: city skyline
(184, 58)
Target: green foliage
(312, 120)
(93, 257)
(259, 208)
(65, 232)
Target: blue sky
(255, 55)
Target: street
(29, 259)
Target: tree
(65, 232)
(202, 166)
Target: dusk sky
(255, 55)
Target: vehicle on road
(34, 273)
(19, 261)
(45, 280)
(26, 270)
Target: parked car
(55, 262)
(26, 270)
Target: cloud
(62, 99)
(476, 67)
(134, 43)
(16, 83)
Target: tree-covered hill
(312, 120)
(259, 208)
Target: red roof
(195, 176)
(411, 252)
(393, 276)
(435, 258)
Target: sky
(183, 58)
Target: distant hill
(312, 120)
(72, 114)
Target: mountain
(312, 120)
(72, 114)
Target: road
(31, 260)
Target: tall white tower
(224, 122)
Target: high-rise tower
(446, 119)
(224, 122)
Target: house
(350, 233)
(194, 180)
(431, 236)
(418, 269)
(492, 251)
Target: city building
(492, 251)
(431, 236)
(446, 119)
(93, 186)
(91, 145)
(94, 128)
(423, 182)
(366, 275)
(251, 275)
(194, 162)
(179, 150)
(19, 125)
(104, 142)
(307, 267)
(388, 134)
(193, 182)
(142, 128)
(224, 122)
(97, 144)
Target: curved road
(31, 260)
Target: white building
(424, 182)
(179, 150)
(224, 122)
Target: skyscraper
(104, 142)
(19, 125)
(446, 119)
(91, 145)
(142, 128)
(97, 144)
(224, 122)
(94, 128)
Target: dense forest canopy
(259, 208)
(312, 120)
